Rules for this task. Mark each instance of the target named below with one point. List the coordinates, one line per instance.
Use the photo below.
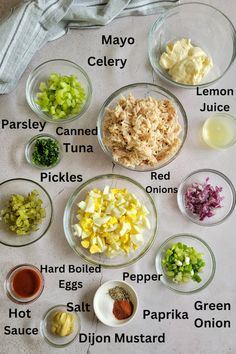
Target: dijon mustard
(62, 323)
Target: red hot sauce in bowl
(24, 283)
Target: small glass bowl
(207, 29)
(9, 288)
(29, 149)
(221, 123)
(103, 303)
(54, 340)
(42, 73)
(216, 178)
(23, 186)
(143, 90)
(70, 218)
(200, 246)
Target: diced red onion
(203, 199)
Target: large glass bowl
(206, 275)
(42, 73)
(113, 181)
(206, 26)
(218, 179)
(23, 186)
(143, 90)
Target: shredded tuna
(142, 132)
(203, 199)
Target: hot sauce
(26, 282)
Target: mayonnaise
(185, 64)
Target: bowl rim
(51, 205)
(135, 310)
(225, 178)
(43, 115)
(115, 94)
(177, 236)
(162, 18)
(42, 321)
(67, 211)
(28, 146)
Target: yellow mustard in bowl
(63, 323)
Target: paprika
(122, 309)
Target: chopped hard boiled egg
(111, 221)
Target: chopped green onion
(182, 263)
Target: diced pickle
(23, 214)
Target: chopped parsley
(46, 152)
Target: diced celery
(61, 96)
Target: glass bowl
(41, 74)
(113, 181)
(208, 29)
(36, 286)
(29, 149)
(219, 131)
(143, 90)
(216, 178)
(103, 303)
(54, 340)
(23, 186)
(208, 271)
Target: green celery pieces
(61, 96)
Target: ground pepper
(118, 293)
(122, 309)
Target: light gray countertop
(181, 335)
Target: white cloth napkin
(34, 23)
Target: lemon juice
(219, 131)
